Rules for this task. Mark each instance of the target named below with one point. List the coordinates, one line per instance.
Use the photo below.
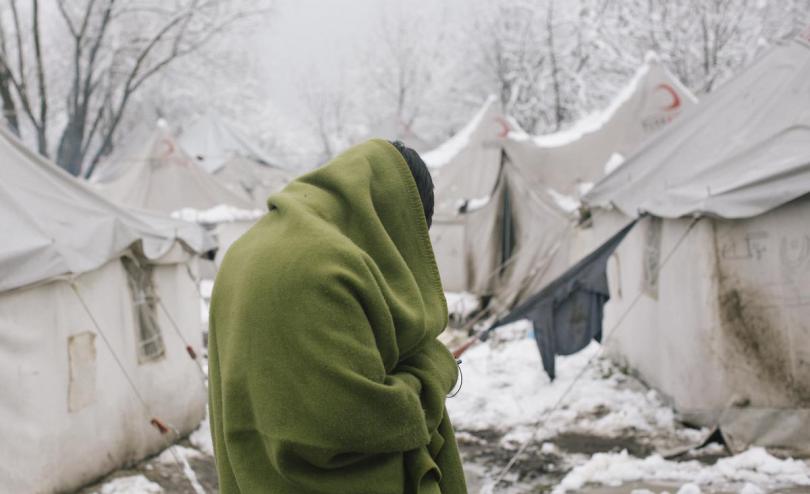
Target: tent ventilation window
(145, 302)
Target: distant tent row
(89, 296)
(100, 320)
(229, 155)
(722, 329)
(501, 230)
(153, 171)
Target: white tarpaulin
(392, 128)
(72, 350)
(55, 225)
(465, 173)
(211, 142)
(156, 174)
(68, 413)
(562, 161)
(466, 167)
(714, 314)
(490, 164)
(233, 159)
(244, 175)
(744, 151)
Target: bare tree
(558, 111)
(37, 113)
(329, 112)
(508, 55)
(115, 48)
(703, 42)
(6, 96)
(408, 69)
(534, 56)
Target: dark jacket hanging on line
(567, 313)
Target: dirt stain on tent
(759, 339)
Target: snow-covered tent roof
(55, 225)
(564, 160)
(466, 166)
(212, 141)
(745, 150)
(155, 173)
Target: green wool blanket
(325, 372)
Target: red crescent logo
(168, 148)
(504, 126)
(676, 100)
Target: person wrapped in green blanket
(325, 372)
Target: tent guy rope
(165, 430)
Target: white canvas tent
(722, 328)
(80, 279)
(154, 173)
(392, 128)
(258, 181)
(211, 141)
(220, 149)
(513, 236)
(578, 156)
(465, 173)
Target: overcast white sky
(306, 35)
(325, 38)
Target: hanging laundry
(567, 313)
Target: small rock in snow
(549, 448)
(750, 488)
(689, 489)
(137, 484)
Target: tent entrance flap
(567, 313)
(507, 230)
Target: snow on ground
(201, 438)
(507, 401)
(462, 304)
(206, 288)
(505, 388)
(179, 456)
(752, 470)
(218, 214)
(137, 484)
(605, 437)
(176, 454)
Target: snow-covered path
(606, 436)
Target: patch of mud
(760, 341)
(541, 468)
(588, 444)
(169, 476)
(545, 462)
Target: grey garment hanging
(567, 313)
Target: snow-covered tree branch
(105, 51)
